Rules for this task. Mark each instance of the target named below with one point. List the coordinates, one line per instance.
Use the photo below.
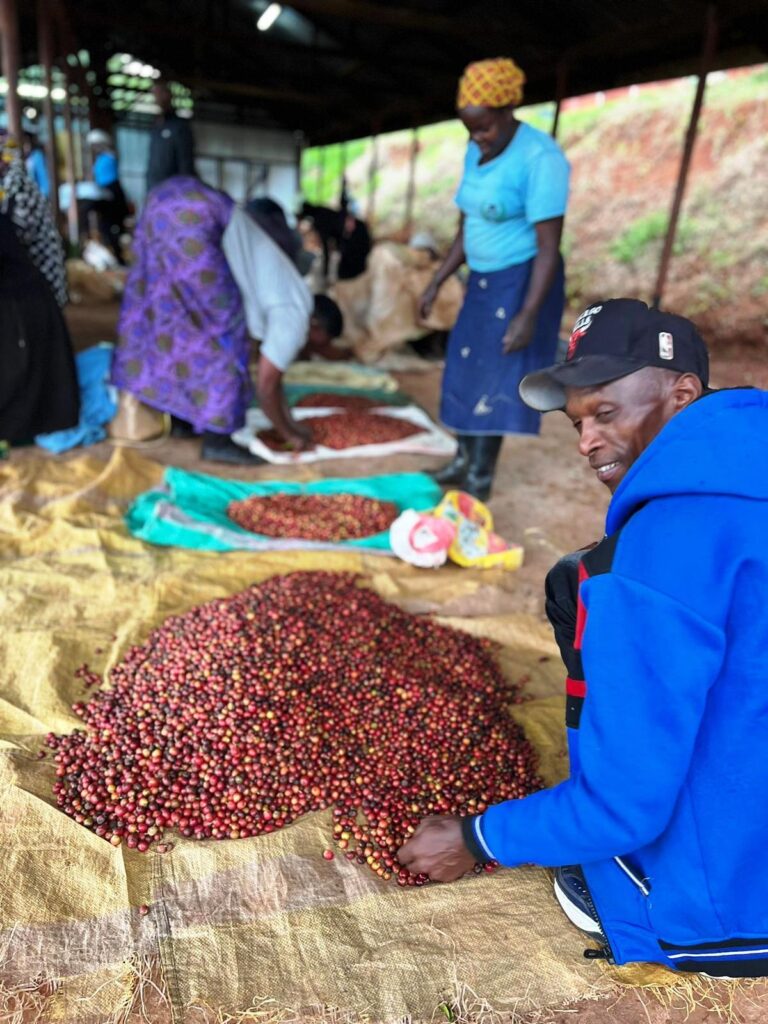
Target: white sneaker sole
(574, 914)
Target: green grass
(645, 231)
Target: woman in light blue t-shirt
(512, 199)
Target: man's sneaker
(573, 896)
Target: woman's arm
(272, 401)
(449, 266)
(521, 327)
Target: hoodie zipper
(604, 953)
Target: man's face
(318, 335)
(617, 421)
(163, 97)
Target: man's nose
(589, 439)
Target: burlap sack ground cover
(263, 923)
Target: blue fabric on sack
(98, 402)
(480, 383)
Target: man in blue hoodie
(664, 637)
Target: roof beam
(386, 14)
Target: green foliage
(645, 231)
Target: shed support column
(343, 197)
(45, 54)
(373, 168)
(320, 174)
(561, 86)
(410, 192)
(707, 55)
(9, 33)
(72, 217)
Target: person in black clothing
(354, 247)
(38, 383)
(171, 144)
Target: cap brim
(544, 390)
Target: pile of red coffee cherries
(347, 430)
(302, 693)
(321, 517)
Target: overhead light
(268, 17)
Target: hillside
(625, 155)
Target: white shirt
(276, 300)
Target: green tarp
(190, 509)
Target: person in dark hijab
(38, 383)
(270, 217)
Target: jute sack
(136, 423)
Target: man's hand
(519, 333)
(437, 849)
(301, 437)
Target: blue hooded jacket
(666, 807)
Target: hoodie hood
(718, 445)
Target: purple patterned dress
(182, 343)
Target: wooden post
(561, 86)
(72, 217)
(342, 174)
(45, 48)
(708, 50)
(9, 35)
(373, 168)
(320, 174)
(410, 191)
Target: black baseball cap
(612, 339)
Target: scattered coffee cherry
(320, 517)
(328, 854)
(347, 430)
(143, 909)
(303, 693)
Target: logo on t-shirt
(580, 328)
(494, 211)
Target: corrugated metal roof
(339, 69)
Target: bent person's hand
(519, 333)
(301, 438)
(437, 849)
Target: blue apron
(480, 383)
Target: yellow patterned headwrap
(497, 82)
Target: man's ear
(687, 388)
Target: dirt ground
(547, 499)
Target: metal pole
(410, 191)
(707, 55)
(320, 174)
(561, 85)
(45, 47)
(342, 174)
(72, 217)
(372, 171)
(9, 31)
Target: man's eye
(604, 415)
(576, 424)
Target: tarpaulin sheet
(190, 509)
(429, 440)
(266, 922)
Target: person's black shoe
(483, 455)
(455, 471)
(181, 429)
(221, 448)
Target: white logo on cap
(666, 347)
